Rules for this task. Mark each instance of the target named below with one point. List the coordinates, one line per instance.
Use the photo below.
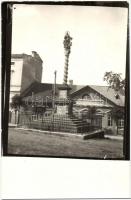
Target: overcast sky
(99, 39)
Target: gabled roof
(106, 92)
(46, 89)
(39, 89)
(76, 88)
(110, 94)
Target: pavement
(78, 135)
(94, 134)
(114, 137)
(12, 125)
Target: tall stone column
(67, 47)
(63, 106)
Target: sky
(99, 40)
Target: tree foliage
(16, 101)
(115, 81)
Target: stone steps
(61, 123)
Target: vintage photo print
(67, 82)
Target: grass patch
(23, 142)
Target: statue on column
(67, 46)
(65, 104)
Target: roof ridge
(100, 85)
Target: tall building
(25, 69)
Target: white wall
(17, 74)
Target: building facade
(108, 110)
(95, 105)
(25, 69)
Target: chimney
(36, 56)
(34, 53)
(70, 82)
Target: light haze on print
(99, 39)
(59, 103)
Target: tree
(115, 81)
(117, 113)
(16, 102)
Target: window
(86, 96)
(12, 67)
(97, 122)
(120, 123)
(12, 75)
(109, 120)
(12, 71)
(12, 63)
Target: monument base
(62, 109)
(63, 120)
(63, 102)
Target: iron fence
(51, 121)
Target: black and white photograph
(68, 89)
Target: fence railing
(55, 122)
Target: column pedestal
(63, 103)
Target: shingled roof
(110, 94)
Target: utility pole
(54, 90)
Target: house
(104, 102)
